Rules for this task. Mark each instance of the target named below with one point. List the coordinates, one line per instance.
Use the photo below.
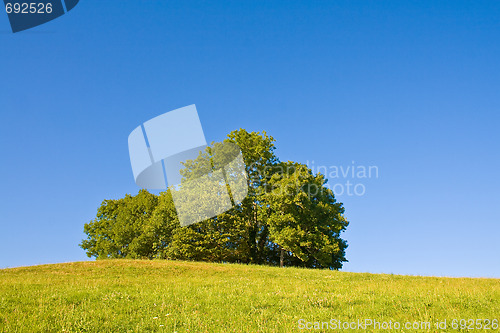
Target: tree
(289, 217)
(304, 219)
(131, 227)
(244, 233)
(260, 160)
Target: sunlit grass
(173, 296)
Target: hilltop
(176, 296)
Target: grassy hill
(172, 296)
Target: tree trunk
(282, 256)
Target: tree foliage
(289, 217)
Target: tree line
(288, 218)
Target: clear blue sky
(411, 87)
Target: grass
(174, 296)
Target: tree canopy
(288, 218)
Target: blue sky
(410, 87)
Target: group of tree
(288, 218)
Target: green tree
(289, 217)
(239, 231)
(304, 219)
(131, 227)
(260, 161)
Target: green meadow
(177, 296)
